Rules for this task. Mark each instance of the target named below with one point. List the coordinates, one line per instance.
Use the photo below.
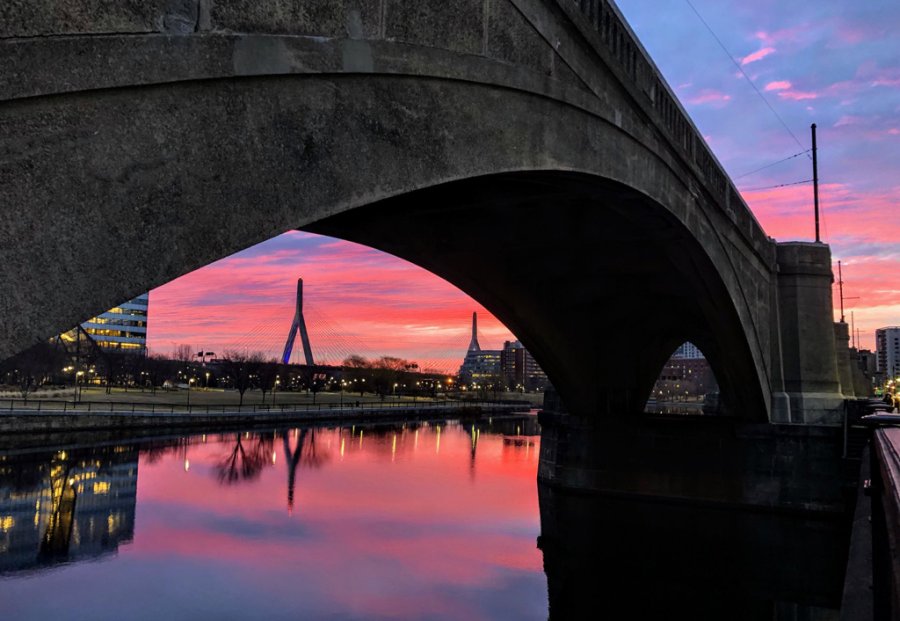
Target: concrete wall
(713, 460)
(810, 366)
(174, 133)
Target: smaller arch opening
(686, 385)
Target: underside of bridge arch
(603, 263)
(599, 282)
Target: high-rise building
(121, 328)
(519, 369)
(887, 348)
(688, 351)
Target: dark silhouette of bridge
(143, 141)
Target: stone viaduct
(528, 151)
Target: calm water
(424, 521)
(428, 521)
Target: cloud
(709, 96)
(757, 55)
(797, 95)
(848, 120)
(781, 85)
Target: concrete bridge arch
(530, 141)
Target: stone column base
(781, 407)
(706, 459)
(817, 408)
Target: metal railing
(62, 406)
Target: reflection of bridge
(420, 129)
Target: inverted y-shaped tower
(298, 325)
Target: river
(439, 520)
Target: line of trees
(80, 363)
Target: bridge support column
(842, 356)
(705, 459)
(811, 377)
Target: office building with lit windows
(688, 351)
(121, 328)
(887, 351)
(519, 370)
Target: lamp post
(275, 389)
(207, 380)
(190, 382)
(78, 377)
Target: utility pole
(840, 285)
(816, 182)
(852, 329)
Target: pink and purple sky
(833, 63)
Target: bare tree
(266, 376)
(242, 368)
(32, 367)
(183, 353)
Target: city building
(480, 366)
(688, 351)
(687, 375)
(519, 370)
(123, 328)
(887, 351)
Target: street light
(207, 380)
(78, 377)
(190, 381)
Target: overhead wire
(772, 187)
(747, 174)
(744, 73)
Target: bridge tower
(298, 325)
(473, 344)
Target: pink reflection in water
(438, 521)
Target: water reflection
(405, 521)
(409, 521)
(63, 506)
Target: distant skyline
(833, 63)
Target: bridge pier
(807, 330)
(842, 357)
(703, 459)
(704, 562)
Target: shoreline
(16, 423)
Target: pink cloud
(757, 55)
(709, 96)
(780, 85)
(893, 131)
(848, 120)
(798, 95)
(853, 222)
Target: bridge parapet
(624, 52)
